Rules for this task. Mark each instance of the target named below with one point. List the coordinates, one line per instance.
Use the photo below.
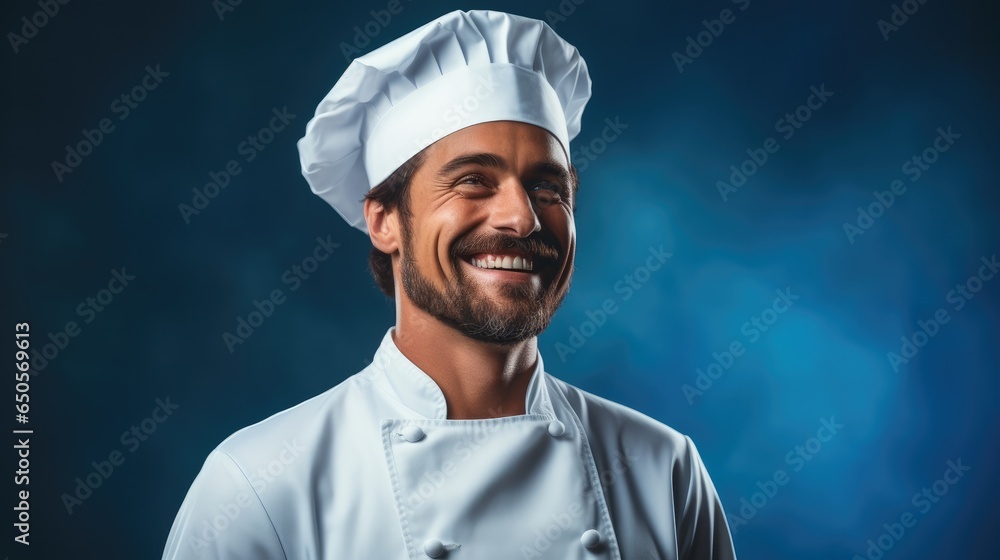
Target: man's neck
(478, 379)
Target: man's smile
(506, 261)
(491, 267)
(508, 258)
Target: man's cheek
(439, 269)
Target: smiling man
(449, 148)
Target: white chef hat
(461, 69)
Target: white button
(433, 548)
(556, 428)
(413, 433)
(591, 538)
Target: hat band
(459, 99)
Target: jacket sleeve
(222, 517)
(702, 530)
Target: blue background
(655, 184)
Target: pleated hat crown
(459, 70)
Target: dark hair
(394, 194)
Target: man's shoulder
(295, 428)
(258, 474)
(615, 421)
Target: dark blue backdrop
(837, 103)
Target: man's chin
(507, 325)
(500, 334)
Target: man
(449, 147)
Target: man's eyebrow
(485, 159)
(551, 167)
(482, 159)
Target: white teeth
(505, 262)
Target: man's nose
(514, 211)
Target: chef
(449, 147)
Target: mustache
(538, 246)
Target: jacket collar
(413, 388)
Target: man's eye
(546, 193)
(472, 180)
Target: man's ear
(383, 226)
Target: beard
(522, 313)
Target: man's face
(490, 244)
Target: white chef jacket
(373, 468)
